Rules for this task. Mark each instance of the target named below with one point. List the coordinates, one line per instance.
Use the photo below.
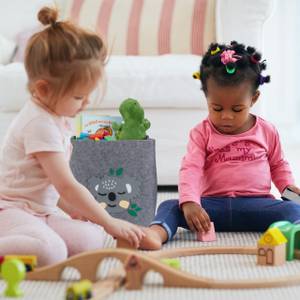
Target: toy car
(30, 261)
(81, 290)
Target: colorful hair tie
(230, 70)
(263, 79)
(229, 56)
(215, 51)
(253, 59)
(196, 75)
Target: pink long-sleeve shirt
(244, 164)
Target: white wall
(281, 98)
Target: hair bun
(48, 16)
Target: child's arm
(191, 169)
(60, 175)
(191, 172)
(280, 170)
(70, 210)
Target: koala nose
(112, 196)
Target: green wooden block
(292, 233)
(172, 262)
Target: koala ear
(128, 188)
(93, 183)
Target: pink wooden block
(207, 236)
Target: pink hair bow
(228, 56)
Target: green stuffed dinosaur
(134, 124)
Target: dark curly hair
(247, 66)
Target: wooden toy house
(271, 248)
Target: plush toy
(134, 124)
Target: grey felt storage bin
(121, 175)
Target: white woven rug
(214, 266)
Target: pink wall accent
(162, 27)
(198, 26)
(133, 27)
(75, 10)
(104, 17)
(165, 27)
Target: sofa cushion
(157, 81)
(163, 81)
(148, 27)
(7, 49)
(13, 88)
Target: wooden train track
(103, 288)
(137, 264)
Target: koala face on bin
(114, 193)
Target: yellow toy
(30, 261)
(271, 248)
(172, 262)
(13, 272)
(80, 290)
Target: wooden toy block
(271, 248)
(291, 233)
(207, 236)
(271, 255)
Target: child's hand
(294, 189)
(125, 230)
(196, 217)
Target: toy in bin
(96, 127)
(134, 125)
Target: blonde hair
(64, 55)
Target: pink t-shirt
(232, 165)
(23, 182)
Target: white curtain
(280, 101)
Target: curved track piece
(137, 264)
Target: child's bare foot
(155, 236)
(121, 243)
